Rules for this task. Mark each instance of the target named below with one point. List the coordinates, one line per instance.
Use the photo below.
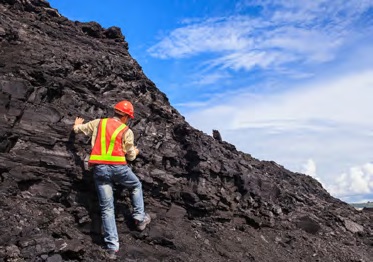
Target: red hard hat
(124, 107)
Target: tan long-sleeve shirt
(91, 128)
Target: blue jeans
(105, 176)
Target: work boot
(111, 254)
(142, 225)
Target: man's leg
(125, 176)
(102, 176)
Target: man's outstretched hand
(78, 121)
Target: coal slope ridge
(208, 201)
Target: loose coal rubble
(209, 202)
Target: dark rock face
(208, 201)
(216, 135)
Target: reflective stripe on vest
(101, 154)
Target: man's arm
(128, 146)
(87, 128)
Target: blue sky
(283, 80)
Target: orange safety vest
(108, 145)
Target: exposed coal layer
(209, 202)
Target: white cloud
(306, 44)
(358, 181)
(250, 59)
(212, 35)
(310, 168)
(310, 12)
(343, 101)
(210, 78)
(283, 32)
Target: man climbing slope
(112, 146)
